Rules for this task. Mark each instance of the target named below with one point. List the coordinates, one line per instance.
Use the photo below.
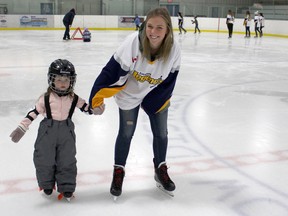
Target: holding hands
(99, 110)
(87, 109)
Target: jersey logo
(146, 78)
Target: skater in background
(247, 24)
(195, 21)
(137, 22)
(141, 74)
(86, 35)
(67, 21)
(257, 23)
(55, 150)
(180, 23)
(262, 23)
(230, 23)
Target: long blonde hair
(167, 42)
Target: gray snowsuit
(55, 152)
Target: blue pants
(128, 122)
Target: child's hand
(86, 109)
(90, 110)
(99, 110)
(18, 133)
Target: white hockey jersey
(134, 80)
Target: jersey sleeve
(159, 98)
(111, 80)
(113, 76)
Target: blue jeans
(128, 122)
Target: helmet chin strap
(62, 94)
(59, 92)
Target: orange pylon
(74, 34)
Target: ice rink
(228, 140)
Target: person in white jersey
(230, 23)
(141, 74)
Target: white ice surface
(228, 150)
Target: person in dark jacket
(67, 21)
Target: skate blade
(46, 196)
(170, 193)
(115, 197)
(61, 196)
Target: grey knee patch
(129, 122)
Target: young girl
(141, 74)
(55, 150)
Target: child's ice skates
(47, 192)
(67, 195)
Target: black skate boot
(48, 192)
(163, 180)
(116, 185)
(68, 195)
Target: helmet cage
(61, 67)
(51, 82)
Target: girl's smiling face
(156, 30)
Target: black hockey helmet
(61, 67)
